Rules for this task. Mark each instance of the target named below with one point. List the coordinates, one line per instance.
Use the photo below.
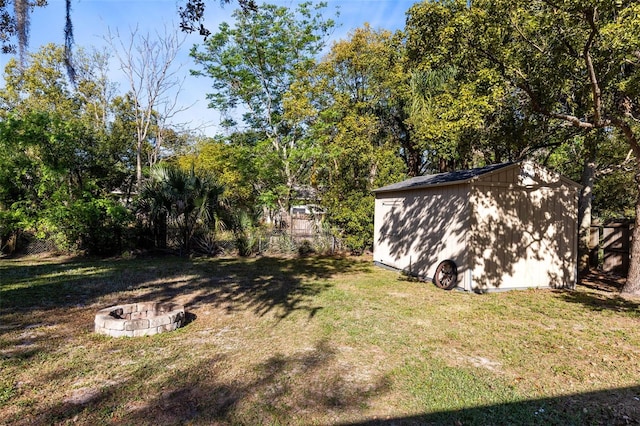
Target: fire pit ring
(139, 319)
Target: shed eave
(441, 179)
(422, 186)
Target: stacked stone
(139, 319)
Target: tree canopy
(464, 84)
(252, 64)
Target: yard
(309, 341)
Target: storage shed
(504, 226)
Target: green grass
(308, 341)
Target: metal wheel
(446, 276)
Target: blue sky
(92, 19)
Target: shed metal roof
(460, 176)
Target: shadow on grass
(602, 302)
(263, 285)
(272, 392)
(303, 389)
(601, 292)
(606, 407)
(299, 388)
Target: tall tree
(451, 100)
(574, 61)
(252, 64)
(353, 103)
(40, 83)
(149, 64)
(58, 165)
(94, 87)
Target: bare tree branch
(148, 64)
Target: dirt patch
(82, 396)
(601, 281)
(458, 359)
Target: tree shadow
(275, 391)
(602, 302)
(601, 281)
(36, 299)
(300, 389)
(282, 389)
(600, 291)
(264, 285)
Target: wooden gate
(610, 246)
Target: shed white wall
(523, 230)
(512, 228)
(415, 230)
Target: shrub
(305, 248)
(96, 225)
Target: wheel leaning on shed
(446, 276)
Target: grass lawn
(308, 341)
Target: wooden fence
(610, 246)
(304, 226)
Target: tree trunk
(413, 162)
(632, 286)
(160, 232)
(139, 166)
(584, 211)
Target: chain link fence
(266, 242)
(255, 241)
(26, 243)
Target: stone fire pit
(139, 319)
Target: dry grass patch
(308, 341)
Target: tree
(352, 102)
(50, 183)
(40, 87)
(575, 62)
(154, 83)
(15, 23)
(252, 65)
(39, 83)
(232, 160)
(58, 165)
(451, 100)
(93, 87)
(192, 14)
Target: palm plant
(181, 199)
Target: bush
(207, 244)
(305, 248)
(96, 225)
(246, 243)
